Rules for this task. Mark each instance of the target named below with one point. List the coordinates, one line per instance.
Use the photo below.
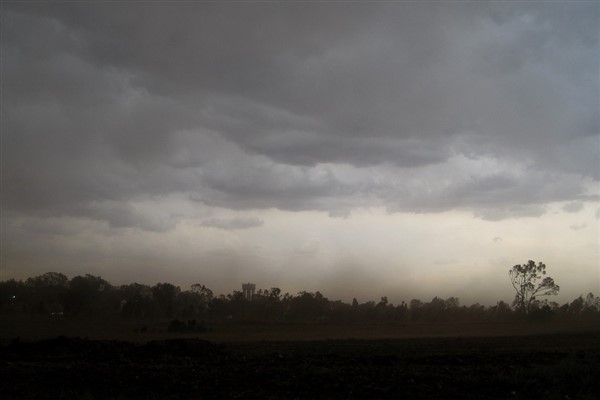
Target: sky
(405, 149)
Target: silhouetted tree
(308, 306)
(452, 303)
(275, 294)
(416, 306)
(47, 292)
(524, 279)
(501, 311)
(164, 295)
(88, 295)
(205, 293)
(136, 301)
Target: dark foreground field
(557, 366)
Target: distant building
(248, 290)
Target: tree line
(53, 294)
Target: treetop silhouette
(524, 279)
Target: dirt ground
(552, 366)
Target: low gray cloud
(340, 213)
(497, 240)
(412, 107)
(497, 214)
(233, 223)
(124, 215)
(573, 207)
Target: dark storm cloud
(254, 105)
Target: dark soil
(563, 366)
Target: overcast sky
(361, 149)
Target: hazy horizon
(398, 149)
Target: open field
(37, 328)
(553, 367)
(550, 366)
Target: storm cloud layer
(391, 144)
(423, 108)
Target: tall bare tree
(524, 279)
